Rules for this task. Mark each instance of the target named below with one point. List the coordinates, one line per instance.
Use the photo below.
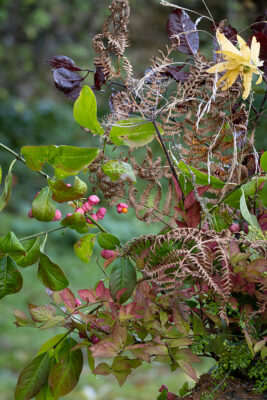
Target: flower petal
(247, 79)
(231, 78)
(259, 80)
(225, 44)
(218, 68)
(255, 51)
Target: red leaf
(193, 215)
(87, 295)
(260, 24)
(99, 78)
(100, 289)
(180, 24)
(191, 199)
(178, 189)
(68, 298)
(62, 62)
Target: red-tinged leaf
(255, 270)
(259, 345)
(84, 247)
(181, 324)
(63, 62)
(68, 298)
(182, 31)
(104, 349)
(65, 375)
(110, 260)
(188, 369)
(178, 189)
(123, 275)
(119, 294)
(22, 319)
(100, 289)
(33, 377)
(87, 295)
(99, 78)
(102, 369)
(138, 351)
(180, 224)
(42, 313)
(191, 198)
(119, 334)
(193, 215)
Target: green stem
(96, 223)
(174, 172)
(41, 234)
(21, 159)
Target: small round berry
(124, 210)
(94, 339)
(122, 207)
(79, 210)
(95, 217)
(87, 206)
(30, 214)
(101, 213)
(68, 215)
(93, 200)
(235, 227)
(106, 254)
(68, 184)
(57, 216)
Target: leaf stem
(96, 223)
(20, 158)
(41, 233)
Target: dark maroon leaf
(66, 80)
(228, 31)
(260, 25)
(99, 78)
(175, 73)
(63, 62)
(74, 93)
(191, 198)
(193, 215)
(179, 23)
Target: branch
(41, 234)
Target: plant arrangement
(197, 288)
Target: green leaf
(122, 276)
(263, 194)
(250, 189)
(33, 377)
(85, 111)
(76, 221)
(41, 313)
(102, 369)
(45, 393)
(57, 320)
(119, 170)
(10, 278)
(67, 160)
(201, 178)
(50, 274)
(84, 247)
(63, 193)
(11, 245)
(43, 208)
(65, 375)
(32, 247)
(250, 218)
(108, 241)
(5, 196)
(198, 326)
(133, 132)
(263, 161)
(50, 343)
(22, 319)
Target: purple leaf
(175, 73)
(260, 25)
(99, 78)
(63, 62)
(228, 31)
(180, 24)
(66, 80)
(74, 93)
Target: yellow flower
(244, 62)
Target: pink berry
(87, 206)
(79, 210)
(101, 213)
(78, 303)
(57, 216)
(95, 217)
(235, 228)
(122, 208)
(68, 215)
(30, 214)
(106, 254)
(93, 200)
(94, 339)
(170, 319)
(68, 184)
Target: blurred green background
(33, 112)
